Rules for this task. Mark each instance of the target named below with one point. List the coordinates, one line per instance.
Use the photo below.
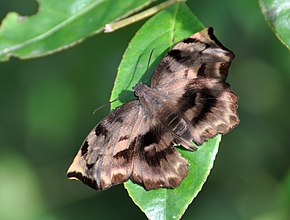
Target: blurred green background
(46, 112)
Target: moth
(187, 101)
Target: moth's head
(139, 89)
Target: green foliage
(58, 25)
(277, 14)
(26, 198)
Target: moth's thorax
(150, 98)
(140, 89)
(158, 104)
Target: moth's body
(159, 103)
(187, 101)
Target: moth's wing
(210, 107)
(192, 75)
(199, 56)
(157, 164)
(95, 163)
(128, 145)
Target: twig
(119, 24)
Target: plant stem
(122, 23)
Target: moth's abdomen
(175, 122)
(159, 106)
(177, 125)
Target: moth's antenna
(148, 64)
(124, 96)
(100, 107)
(110, 102)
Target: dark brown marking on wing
(101, 130)
(174, 181)
(224, 68)
(194, 40)
(190, 40)
(186, 73)
(120, 120)
(201, 71)
(122, 154)
(90, 165)
(176, 54)
(84, 148)
(207, 105)
(90, 182)
(149, 138)
(151, 157)
(126, 153)
(123, 138)
(187, 101)
(223, 128)
(206, 46)
(118, 178)
(213, 37)
(169, 69)
(165, 152)
(234, 119)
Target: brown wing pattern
(128, 145)
(192, 75)
(210, 107)
(94, 164)
(199, 56)
(156, 162)
(189, 100)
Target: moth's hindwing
(192, 75)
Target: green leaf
(277, 14)
(160, 33)
(59, 24)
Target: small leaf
(160, 33)
(59, 24)
(277, 14)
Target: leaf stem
(122, 23)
